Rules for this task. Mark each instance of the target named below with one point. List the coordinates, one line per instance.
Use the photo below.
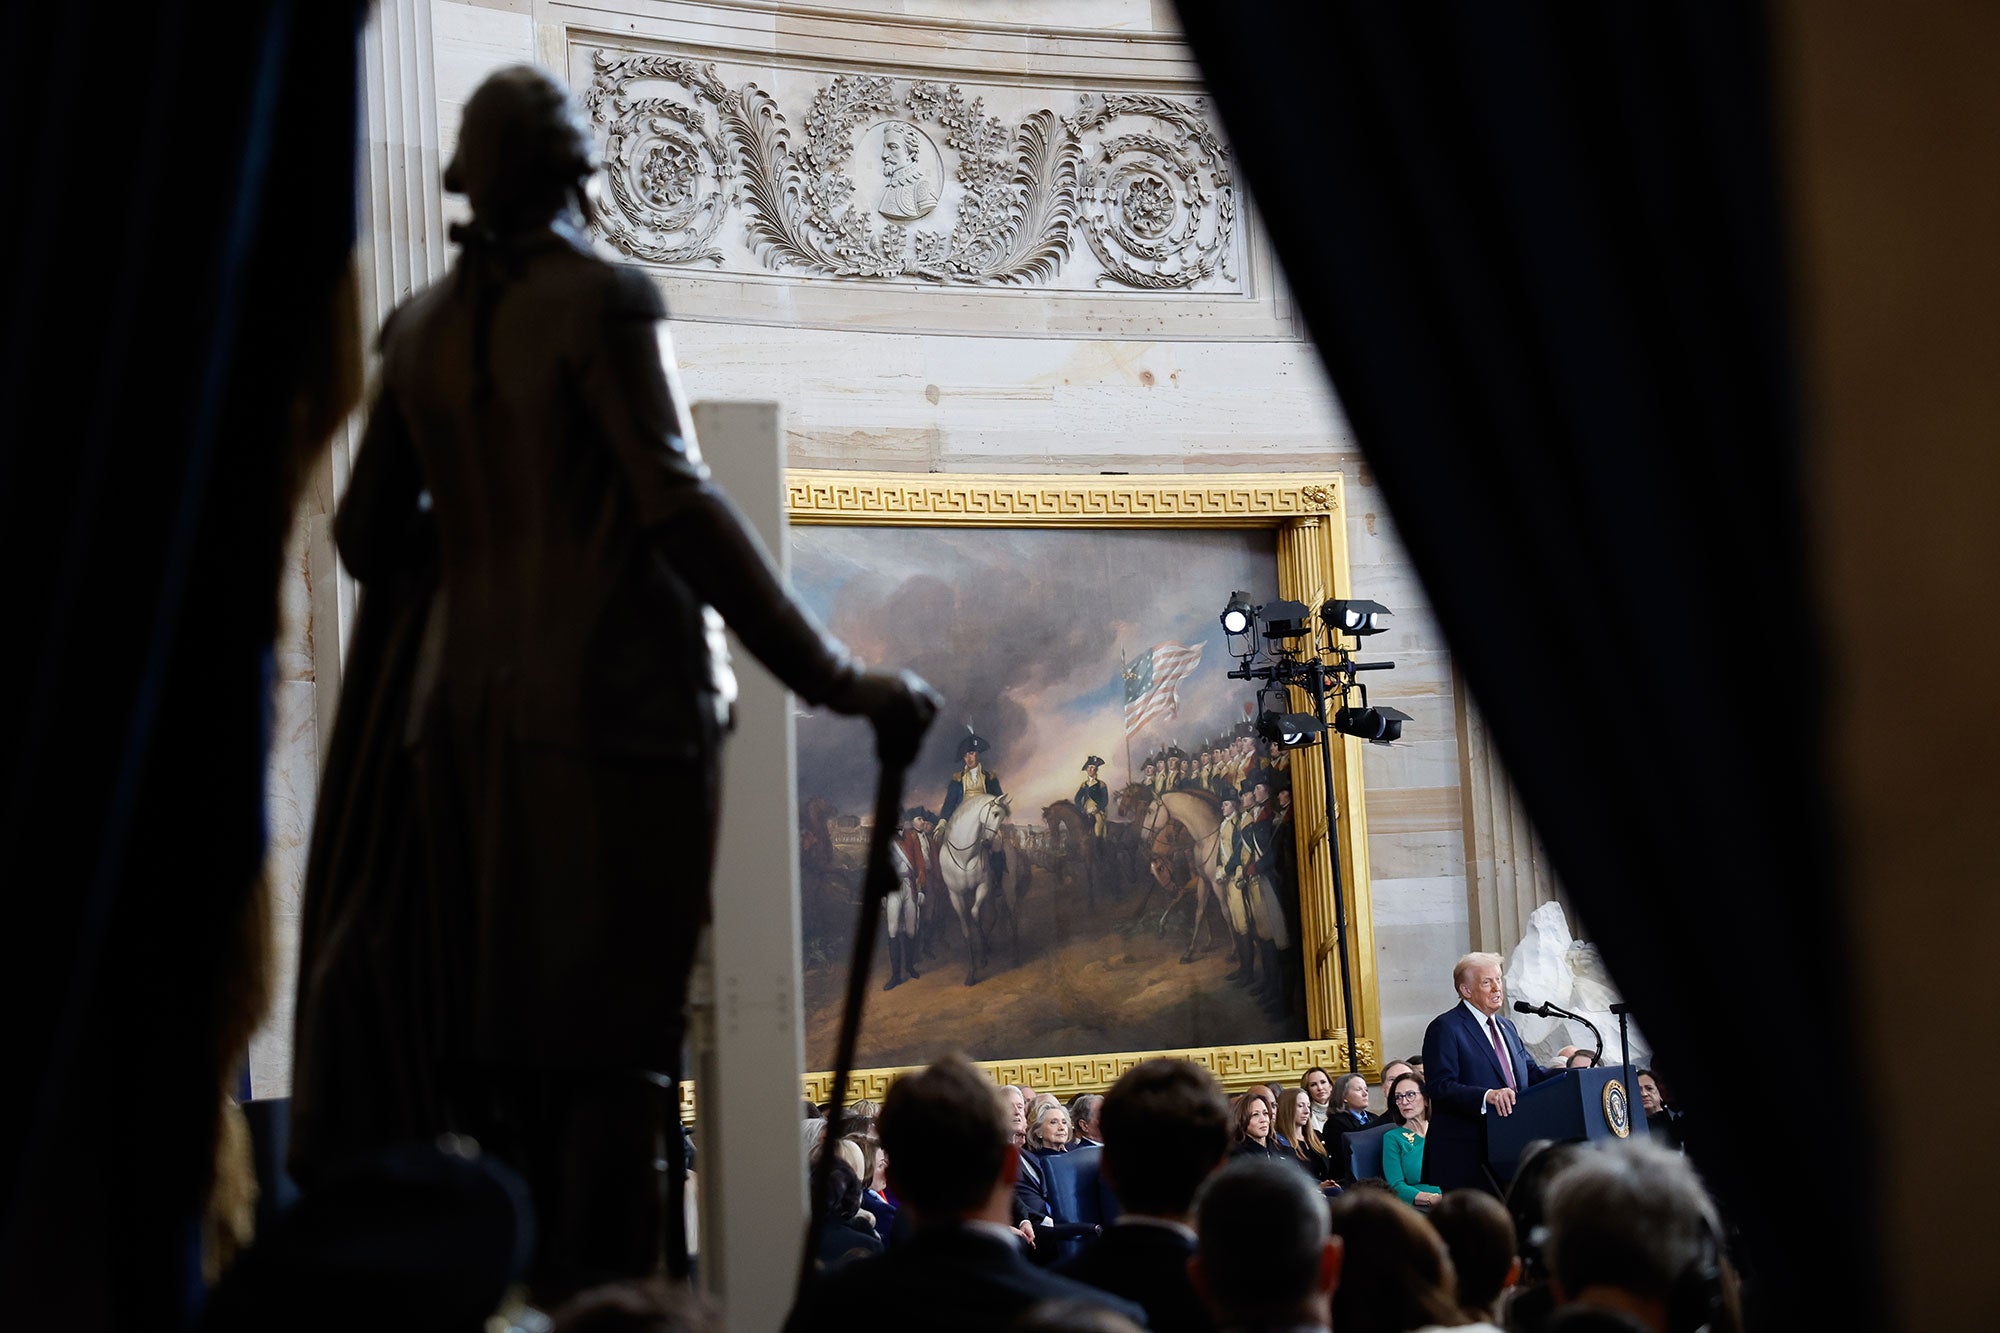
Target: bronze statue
(552, 692)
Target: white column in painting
(752, 1178)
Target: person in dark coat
(1166, 1130)
(1477, 1067)
(566, 709)
(962, 1267)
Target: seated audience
(946, 1132)
(1318, 1085)
(1167, 1128)
(876, 1197)
(1416, 1064)
(811, 1134)
(1340, 1156)
(1050, 1131)
(1254, 1135)
(1479, 1235)
(1350, 1104)
(1395, 1274)
(1294, 1118)
(1390, 1072)
(1015, 1103)
(849, 1231)
(1662, 1121)
(1403, 1147)
(1264, 1259)
(1633, 1233)
(1581, 1058)
(1083, 1123)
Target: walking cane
(876, 886)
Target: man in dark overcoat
(566, 709)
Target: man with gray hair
(1478, 1067)
(1632, 1232)
(1083, 1118)
(1265, 1258)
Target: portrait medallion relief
(874, 176)
(912, 173)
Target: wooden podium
(1581, 1105)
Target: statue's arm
(380, 528)
(632, 390)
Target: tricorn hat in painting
(1095, 761)
(973, 742)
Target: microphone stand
(1548, 1007)
(877, 884)
(1625, 1049)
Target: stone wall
(1131, 320)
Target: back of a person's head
(1479, 1234)
(946, 1135)
(1071, 1316)
(642, 1305)
(1634, 1217)
(1262, 1230)
(1166, 1126)
(1396, 1274)
(1527, 1201)
(841, 1192)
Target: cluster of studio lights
(1282, 643)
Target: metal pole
(1326, 736)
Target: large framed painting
(1101, 861)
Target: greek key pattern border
(931, 499)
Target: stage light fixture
(1236, 615)
(1290, 730)
(1354, 617)
(1286, 620)
(1378, 726)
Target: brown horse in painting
(1178, 830)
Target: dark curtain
(181, 206)
(1539, 247)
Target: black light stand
(1278, 664)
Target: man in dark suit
(1166, 1129)
(953, 1170)
(1477, 1067)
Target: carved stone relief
(906, 179)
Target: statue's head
(524, 149)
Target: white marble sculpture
(1549, 965)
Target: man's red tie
(1500, 1049)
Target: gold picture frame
(1304, 511)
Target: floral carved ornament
(1141, 179)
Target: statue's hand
(900, 705)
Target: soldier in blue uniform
(972, 779)
(1093, 797)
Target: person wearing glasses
(1403, 1149)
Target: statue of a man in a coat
(568, 696)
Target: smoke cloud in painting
(1021, 631)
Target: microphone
(1548, 1010)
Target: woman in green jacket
(1403, 1148)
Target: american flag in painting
(1150, 679)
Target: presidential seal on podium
(1617, 1109)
